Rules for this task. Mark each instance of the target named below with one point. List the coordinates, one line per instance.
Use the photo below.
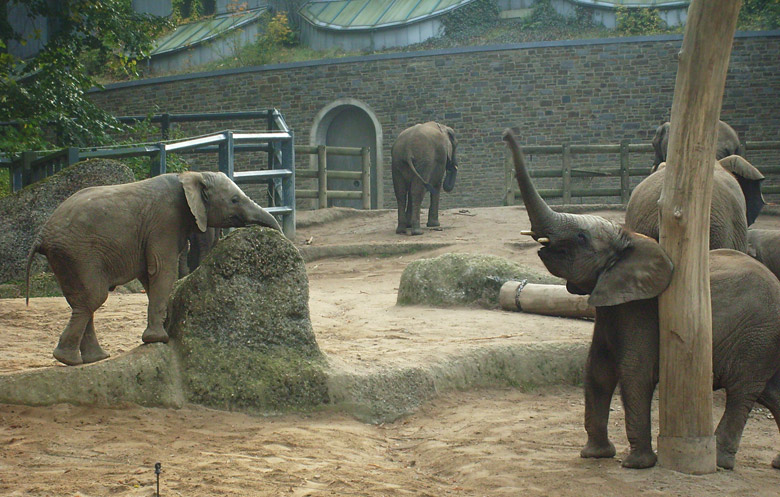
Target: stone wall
(582, 91)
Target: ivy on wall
(475, 14)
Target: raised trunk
(540, 214)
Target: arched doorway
(350, 123)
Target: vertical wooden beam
(566, 174)
(686, 442)
(322, 176)
(509, 178)
(625, 179)
(365, 158)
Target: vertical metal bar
(159, 165)
(27, 173)
(16, 175)
(288, 186)
(227, 155)
(566, 173)
(322, 176)
(625, 180)
(509, 178)
(165, 126)
(365, 156)
(73, 156)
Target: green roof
(197, 32)
(367, 14)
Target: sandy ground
(491, 442)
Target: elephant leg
(600, 382)
(770, 398)
(67, 350)
(162, 275)
(91, 351)
(636, 392)
(401, 197)
(416, 195)
(433, 211)
(728, 434)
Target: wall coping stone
(423, 53)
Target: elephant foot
(416, 231)
(155, 335)
(71, 357)
(726, 460)
(598, 451)
(640, 459)
(433, 224)
(400, 230)
(94, 355)
(776, 462)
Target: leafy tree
(45, 94)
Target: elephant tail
(427, 185)
(33, 250)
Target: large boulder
(469, 280)
(241, 325)
(24, 212)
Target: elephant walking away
(423, 159)
(105, 236)
(623, 272)
(727, 144)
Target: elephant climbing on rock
(736, 202)
(105, 236)
(423, 159)
(727, 144)
(623, 272)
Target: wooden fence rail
(322, 174)
(622, 170)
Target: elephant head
(727, 143)
(593, 255)
(216, 201)
(451, 168)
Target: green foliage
(461, 21)
(193, 9)
(45, 94)
(759, 14)
(633, 21)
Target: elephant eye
(582, 239)
(235, 199)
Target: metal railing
(622, 171)
(322, 194)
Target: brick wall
(584, 91)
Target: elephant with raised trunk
(727, 144)
(423, 159)
(105, 236)
(624, 272)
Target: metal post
(288, 186)
(566, 174)
(159, 166)
(27, 159)
(625, 180)
(226, 155)
(322, 176)
(165, 126)
(365, 155)
(73, 156)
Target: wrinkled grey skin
(764, 246)
(623, 272)
(727, 144)
(105, 236)
(423, 157)
(729, 215)
(199, 244)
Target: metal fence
(623, 171)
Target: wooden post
(322, 175)
(625, 179)
(365, 156)
(566, 174)
(686, 442)
(509, 178)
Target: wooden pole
(365, 160)
(322, 177)
(686, 441)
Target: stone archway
(348, 122)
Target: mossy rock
(241, 325)
(470, 280)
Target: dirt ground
(486, 442)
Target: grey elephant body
(624, 272)
(727, 144)
(764, 246)
(102, 237)
(423, 158)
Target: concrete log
(550, 300)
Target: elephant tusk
(543, 240)
(527, 233)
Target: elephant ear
(642, 271)
(193, 185)
(749, 179)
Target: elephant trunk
(450, 174)
(262, 217)
(542, 217)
